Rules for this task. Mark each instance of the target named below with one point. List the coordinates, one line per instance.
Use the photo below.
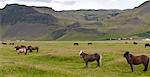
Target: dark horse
(136, 60)
(147, 45)
(33, 48)
(4, 43)
(89, 43)
(76, 44)
(135, 43)
(11, 43)
(90, 57)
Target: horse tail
(100, 60)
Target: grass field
(61, 59)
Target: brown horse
(136, 60)
(33, 48)
(90, 57)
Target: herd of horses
(87, 43)
(24, 49)
(8, 43)
(131, 59)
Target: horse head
(126, 54)
(17, 47)
(81, 53)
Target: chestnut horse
(136, 60)
(90, 57)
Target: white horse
(22, 50)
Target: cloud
(33, 0)
(77, 4)
(68, 2)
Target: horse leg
(97, 63)
(86, 64)
(30, 50)
(26, 52)
(146, 65)
(37, 49)
(131, 67)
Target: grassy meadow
(61, 59)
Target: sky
(77, 4)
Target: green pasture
(61, 59)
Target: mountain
(132, 22)
(43, 23)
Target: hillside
(43, 23)
(131, 22)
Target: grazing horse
(89, 43)
(147, 45)
(17, 47)
(4, 43)
(23, 46)
(76, 44)
(136, 60)
(135, 43)
(33, 48)
(20, 49)
(11, 43)
(90, 57)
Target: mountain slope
(130, 22)
(43, 23)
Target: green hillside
(43, 23)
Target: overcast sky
(77, 4)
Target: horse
(89, 43)
(11, 43)
(23, 46)
(90, 58)
(147, 45)
(33, 48)
(136, 60)
(76, 44)
(4, 43)
(17, 47)
(135, 43)
(20, 49)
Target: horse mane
(96, 54)
(85, 53)
(81, 51)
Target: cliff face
(43, 23)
